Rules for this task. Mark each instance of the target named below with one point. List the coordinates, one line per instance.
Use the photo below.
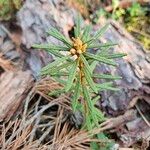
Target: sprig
(74, 68)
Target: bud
(79, 51)
(78, 69)
(72, 51)
(74, 57)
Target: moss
(8, 8)
(139, 27)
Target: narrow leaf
(89, 80)
(62, 82)
(117, 55)
(76, 95)
(106, 76)
(94, 101)
(86, 33)
(93, 65)
(51, 51)
(107, 86)
(88, 122)
(56, 69)
(71, 75)
(50, 46)
(100, 59)
(54, 64)
(98, 34)
(102, 45)
(102, 52)
(56, 34)
(77, 29)
(87, 97)
(91, 116)
(55, 53)
(99, 114)
(60, 73)
(85, 63)
(101, 31)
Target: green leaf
(94, 146)
(77, 29)
(55, 53)
(117, 55)
(85, 63)
(93, 65)
(87, 97)
(100, 59)
(60, 73)
(107, 86)
(51, 51)
(107, 76)
(76, 95)
(94, 101)
(108, 144)
(98, 34)
(90, 80)
(54, 64)
(101, 31)
(62, 82)
(99, 114)
(56, 69)
(102, 45)
(56, 34)
(86, 33)
(72, 75)
(104, 51)
(88, 123)
(50, 46)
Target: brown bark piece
(133, 68)
(120, 120)
(13, 89)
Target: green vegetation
(135, 19)
(138, 23)
(8, 8)
(74, 69)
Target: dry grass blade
(32, 130)
(7, 65)
(44, 124)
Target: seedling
(74, 69)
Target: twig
(7, 65)
(36, 122)
(143, 117)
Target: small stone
(7, 46)
(1, 40)
(2, 32)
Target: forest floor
(31, 119)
